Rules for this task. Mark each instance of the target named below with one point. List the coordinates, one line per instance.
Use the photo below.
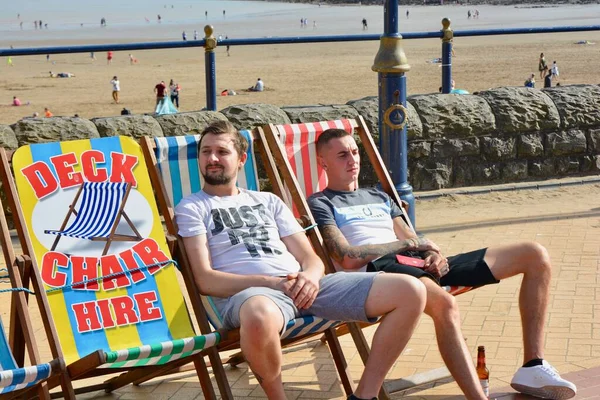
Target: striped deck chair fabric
(177, 159)
(98, 211)
(299, 143)
(13, 378)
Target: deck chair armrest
(57, 366)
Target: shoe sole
(546, 392)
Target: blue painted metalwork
(210, 70)
(391, 64)
(447, 36)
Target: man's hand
(436, 264)
(304, 289)
(422, 244)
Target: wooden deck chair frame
(85, 367)
(272, 137)
(21, 335)
(113, 236)
(231, 341)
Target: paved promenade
(565, 220)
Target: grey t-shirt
(364, 216)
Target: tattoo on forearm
(337, 245)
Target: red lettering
(124, 311)
(86, 316)
(40, 178)
(150, 253)
(84, 268)
(50, 273)
(130, 263)
(89, 161)
(107, 319)
(63, 164)
(110, 265)
(146, 309)
(122, 168)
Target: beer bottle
(482, 372)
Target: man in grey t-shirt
(248, 251)
(364, 230)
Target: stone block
(249, 116)
(135, 126)
(453, 116)
(542, 168)
(418, 149)
(188, 123)
(590, 163)
(456, 147)
(8, 139)
(566, 142)
(431, 175)
(55, 129)
(320, 113)
(497, 148)
(593, 137)
(577, 105)
(514, 171)
(521, 109)
(567, 165)
(531, 145)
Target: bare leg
(532, 260)
(401, 299)
(261, 320)
(442, 308)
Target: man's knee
(260, 318)
(538, 256)
(391, 291)
(441, 304)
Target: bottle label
(485, 385)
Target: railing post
(391, 65)
(210, 69)
(448, 36)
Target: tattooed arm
(355, 257)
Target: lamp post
(391, 65)
(448, 36)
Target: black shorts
(466, 269)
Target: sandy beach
(330, 73)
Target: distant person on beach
(61, 75)
(258, 87)
(159, 18)
(160, 90)
(227, 49)
(102, 22)
(195, 34)
(554, 71)
(530, 82)
(548, 80)
(92, 56)
(109, 57)
(206, 14)
(223, 13)
(365, 26)
(116, 88)
(47, 113)
(21, 25)
(132, 59)
(174, 90)
(542, 67)
(47, 57)
(314, 24)
(407, 14)
(35, 115)
(16, 102)
(469, 14)
(183, 36)
(9, 61)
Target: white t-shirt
(115, 84)
(243, 231)
(260, 86)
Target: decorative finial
(210, 42)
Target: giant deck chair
(175, 175)
(102, 207)
(118, 313)
(15, 377)
(294, 149)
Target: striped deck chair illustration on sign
(171, 156)
(104, 314)
(294, 150)
(15, 377)
(102, 207)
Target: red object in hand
(410, 261)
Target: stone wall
(501, 135)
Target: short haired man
(252, 256)
(364, 230)
(160, 90)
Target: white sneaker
(543, 381)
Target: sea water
(137, 20)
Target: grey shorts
(342, 297)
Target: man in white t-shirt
(116, 88)
(248, 251)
